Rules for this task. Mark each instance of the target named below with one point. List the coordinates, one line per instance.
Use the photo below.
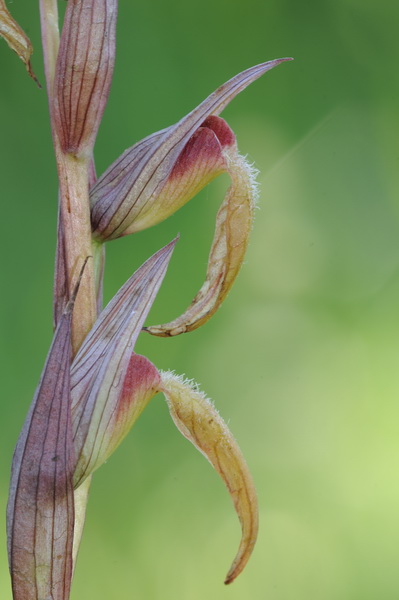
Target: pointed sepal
(40, 513)
(201, 424)
(104, 375)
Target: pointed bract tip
(165, 252)
(173, 243)
(270, 64)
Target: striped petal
(103, 404)
(200, 161)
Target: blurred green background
(302, 360)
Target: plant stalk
(74, 231)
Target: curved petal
(201, 424)
(233, 226)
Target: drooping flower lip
(199, 422)
(211, 150)
(158, 175)
(136, 178)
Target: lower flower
(111, 386)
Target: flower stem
(73, 176)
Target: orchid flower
(87, 411)
(111, 385)
(157, 176)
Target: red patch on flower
(141, 376)
(204, 149)
(202, 146)
(223, 132)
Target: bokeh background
(303, 358)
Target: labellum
(201, 424)
(233, 221)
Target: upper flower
(128, 197)
(158, 175)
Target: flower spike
(104, 400)
(201, 424)
(94, 385)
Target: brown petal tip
(16, 38)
